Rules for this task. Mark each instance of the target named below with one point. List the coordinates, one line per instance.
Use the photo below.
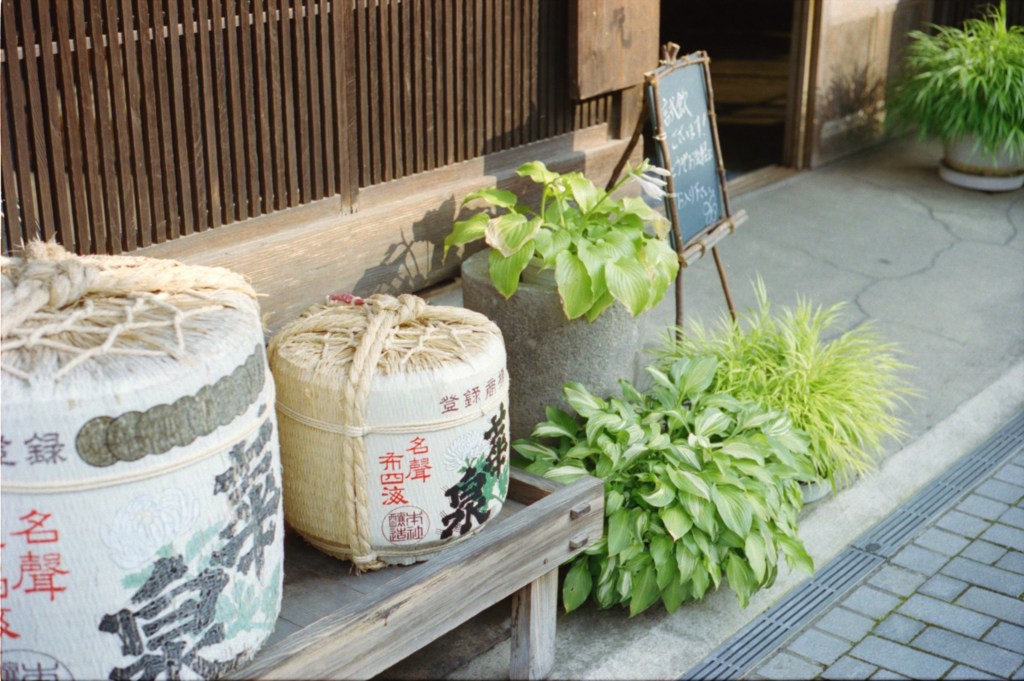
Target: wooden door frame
(798, 142)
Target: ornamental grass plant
(844, 392)
(968, 81)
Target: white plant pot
(967, 165)
(815, 490)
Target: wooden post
(533, 628)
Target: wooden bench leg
(533, 628)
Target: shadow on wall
(861, 55)
(409, 262)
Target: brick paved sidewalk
(948, 605)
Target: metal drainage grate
(768, 632)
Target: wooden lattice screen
(128, 122)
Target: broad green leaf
(509, 232)
(673, 595)
(595, 257)
(742, 450)
(619, 534)
(628, 282)
(796, 554)
(606, 594)
(467, 230)
(583, 191)
(754, 550)
(700, 372)
(543, 244)
(622, 241)
(582, 400)
(675, 520)
(635, 204)
(577, 585)
(574, 285)
(701, 512)
(505, 271)
(609, 566)
(685, 454)
(565, 474)
(664, 558)
(699, 582)
(714, 567)
(534, 450)
(710, 422)
(661, 496)
(645, 591)
(613, 500)
(601, 302)
(599, 422)
(581, 451)
(732, 509)
(741, 578)
(689, 482)
(660, 378)
(493, 196)
(551, 429)
(561, 418)
(625, 585)
(536, 171)
(686, 561)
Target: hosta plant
(966, 82)
(698, 485)
(843, 391)
(599, 246)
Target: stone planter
(966, 165)
(546, 350)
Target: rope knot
(47, 277)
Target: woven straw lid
(61, 310)
(324, 364)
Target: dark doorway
(749, 42)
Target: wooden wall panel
(133, 122)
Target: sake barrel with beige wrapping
(394, 437)
(142, 517)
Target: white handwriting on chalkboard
(689, 160)
(689, 132)
(675, 107)
(692, 194)
(698, 192)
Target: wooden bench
(337, 625)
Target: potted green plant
(698, 485)
(842, 391)
(595, 247)
(964, 86)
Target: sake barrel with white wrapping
(142, 516)
(394, 433)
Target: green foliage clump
(598, 246)
(966, 81)
(842, 392)
(698, 485)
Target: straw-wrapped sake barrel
(394, 433)
(142, 516)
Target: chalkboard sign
(682, 117)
